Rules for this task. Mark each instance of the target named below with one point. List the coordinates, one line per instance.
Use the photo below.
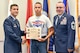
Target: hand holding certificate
(33, 32)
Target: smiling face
(14, 10)
(60, 8)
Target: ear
(10, 9)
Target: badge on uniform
(64, 21)
(73, 25)
(15, 25)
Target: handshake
(23, 39)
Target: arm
(23, 33)
(50, 28)
(49, 34)
(71, 33)
(9, 32)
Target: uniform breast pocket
(14, 25)
(63, 22)
(63, 26)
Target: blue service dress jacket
(64, 32)
(13, 33)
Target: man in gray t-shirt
(42, 21)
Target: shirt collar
(13, 17)
(60, 15)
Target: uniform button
(55, 36)
(55, 32)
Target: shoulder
(8, 19)
(44, 17)
(32, 17)
(68, 16)
(55, 16)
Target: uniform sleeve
(51, 42)
(71, 32)
(22, 33)
(9, 32)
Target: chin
(59, 13)
(16, 14)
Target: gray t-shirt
(40, 21)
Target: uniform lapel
(60, 19)
(14, 21)
(17, 23)
(55, 21)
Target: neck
(60, 14)
(13, 16)
(38, 14)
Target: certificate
(33, 32)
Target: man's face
(37, 8)
(14, 11)
(60, 8)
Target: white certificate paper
(33, 32)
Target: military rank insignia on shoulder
(73, 25)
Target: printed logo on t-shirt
(37, 23)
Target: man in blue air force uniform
(13, 33)
(64, 30)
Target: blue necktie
(16, 22)
(57, 19)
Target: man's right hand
(50, 52)
(23, 40)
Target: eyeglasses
(59, 7)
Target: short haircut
(60, 2)
(38, 3)
(13, 5)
